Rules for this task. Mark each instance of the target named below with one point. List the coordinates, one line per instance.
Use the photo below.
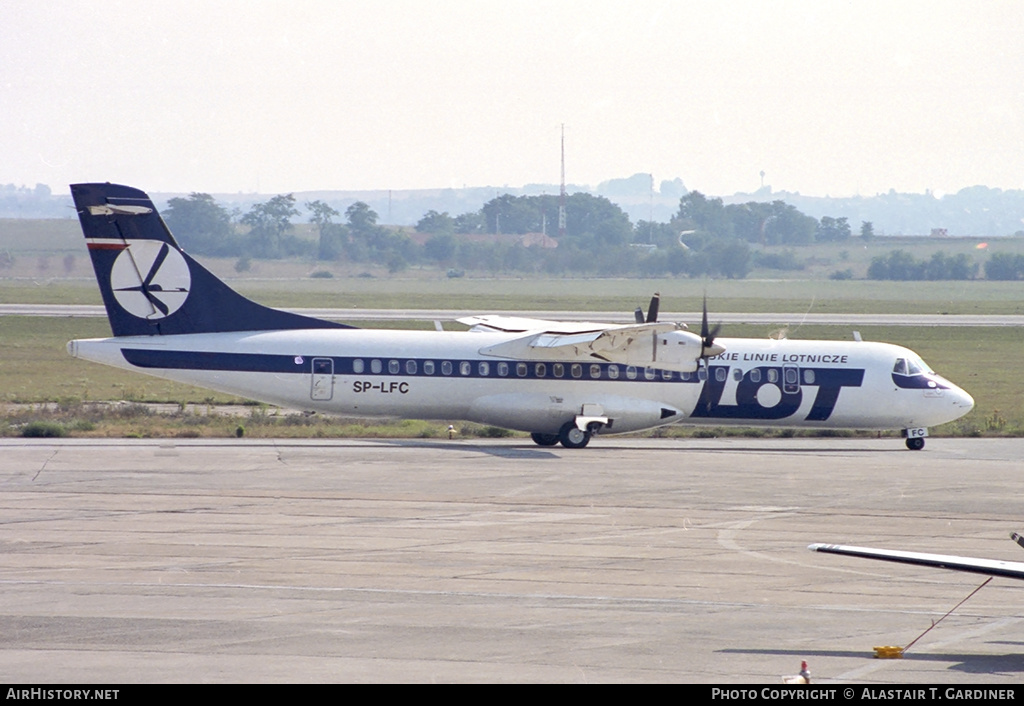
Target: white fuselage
(444, 375)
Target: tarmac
(633, 560)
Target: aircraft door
(322, 386)
(790, 379)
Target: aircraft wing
(666, 346)
(520, 324)
(989, 567)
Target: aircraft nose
(963, 400)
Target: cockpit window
(910, 366)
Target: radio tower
(561, 193)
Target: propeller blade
(639, 315)
(704, 321)
(652, 310)
(708, 334)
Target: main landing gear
(544, 439)
(570, 435)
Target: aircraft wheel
(544, 439)
(915, 444)
(572, 437)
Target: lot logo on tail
(150, 279)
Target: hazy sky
(826, 97)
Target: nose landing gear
(915, 438)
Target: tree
(470, 222)
(441, 247)
(1005, 266)
(513, 214)
(332, 235)
(268, 223)
(730, 258)
(832, 229)
(867, 230)
(897, 265)
(361, 218)
(788, 226)
(707, 216)
(370, 241)
(434, 222)
(661, 234)
(594, 221)
(202, 226)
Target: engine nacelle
(676, 350)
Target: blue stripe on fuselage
(828, 381)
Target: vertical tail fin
(149, 285)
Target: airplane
(988, 567)
(563, 382)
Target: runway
(634, 560)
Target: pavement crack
(43, 467)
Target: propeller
(707, 335)
(652, 311)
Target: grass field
(52, 267)
(750, 295)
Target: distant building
(939, 233)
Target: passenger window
(649, 373)
(465, 368)
(666, 374)
(755, 375)
(558, 370)
(484, 368)
(521, 369)
(791, 376)
(376, 366)
(613, 372)
(446, 367)
(503, 370)
(410, 367)
(630, 372)
(737, 374)
(721, 374)
(393, 367)
(358, 365)
(428, 367)
(576, 370)
(540, 370)
(808, 376)
(773, 375)
(595, 371)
